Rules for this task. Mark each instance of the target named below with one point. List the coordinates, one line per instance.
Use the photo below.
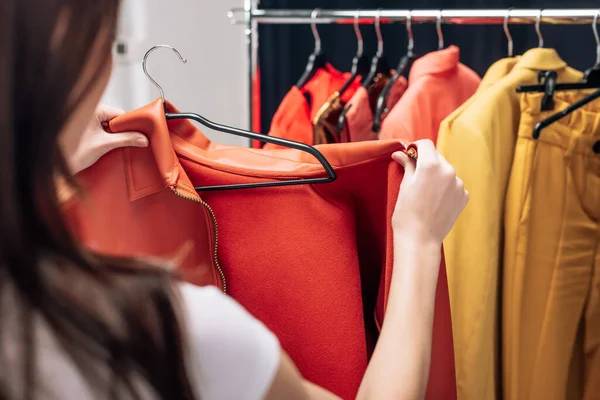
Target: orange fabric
(313, 262)
(437, 85)
(359, 118)
(256, 108)
(325, 123)
(293, 119)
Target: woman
(77, 325)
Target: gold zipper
(215, 234)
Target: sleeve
(231, 354)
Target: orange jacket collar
(141, 181)
(434, 63)
(168, 139)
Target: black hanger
(401, 70)
(379, 64)
(360, 63)
(591, 81)
(548, 79)
(317, 59)
(331, 175)
(537, 131)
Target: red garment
(306, 260)
(294, 117)
(359, 118)
(256, 107)
(437, 85)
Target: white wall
(213, 83)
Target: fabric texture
(359, 117)
(437, 85)
(312, 262)
(479, 142)
(551, 313)
(294, 117)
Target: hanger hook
(315, 31)
(595, 30)
(145, 62)
(508, 35)
(411, 38)
(378, 32)
(538, 19)
(358, 33)
(438, 27)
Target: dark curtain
(284, 49)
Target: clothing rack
(251, 16)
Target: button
(597, 147)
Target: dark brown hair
(107, 315)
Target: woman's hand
(96, 142)
(431, 196)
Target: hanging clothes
(469, 339)
(294, 117)
(326, 120)
(309, 261)
(479, 143)
(358, 126)
(552, 255)
(437, 85)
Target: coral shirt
(437, 85)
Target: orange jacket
(294, 118)
(312, 262)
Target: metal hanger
(362, 66)
(317, 59)
(549, 85)
(592, 81)
(379, 65)
(538, 30)
(508, 35)
(438, 28)
(401, 70)
(331, 175)
(360, 63)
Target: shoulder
(232, 354)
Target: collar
(541, 59)
(157, 167)
(434, 63)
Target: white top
(234, 355)
(231, 354)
